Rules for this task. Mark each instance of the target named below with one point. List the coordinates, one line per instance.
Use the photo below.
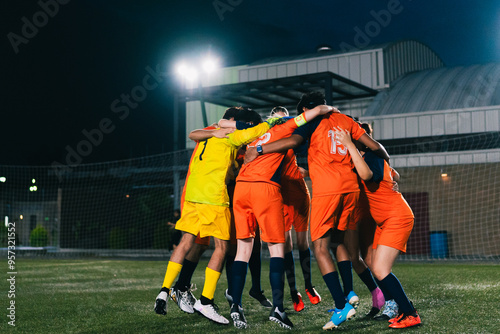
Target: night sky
(62, 77)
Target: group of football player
(356, 213)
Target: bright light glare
(33, 181)
(210, 65)
(3, 179)
(187, 72)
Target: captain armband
(300, 120)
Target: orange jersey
(384, 202)
(267, 167)
(330, 165)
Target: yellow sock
(173, 269)
(211, 279)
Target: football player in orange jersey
(335, 191)
(258, 200)
(296, 203)
(394, 220)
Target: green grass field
(111, 296)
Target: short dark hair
(310, 100)
(243, 114)
(367, 127)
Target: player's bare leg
(205, 305)
(305, 266)
(181, 292)
(173, 269)
(239, 273)
(383, 260)
(351, 241)
(343, 310)
(255, 266)
(276, 271)
(298, 304)
(344, 266)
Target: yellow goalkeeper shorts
(205, 219)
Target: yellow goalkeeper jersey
(211, 162)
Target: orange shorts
(202, 241)
(394, 232)
(296, 211)
(332, 211)
(259, 202)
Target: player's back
(267, 167)
(330, 165)
(384, 201)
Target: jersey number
(203, 151)
(263, 139)
(336, 146)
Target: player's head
(309, 101)
(279, 112)
(367, 127)
(243, 114)
(232, 112)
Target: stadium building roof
(263, 95)
(440, 89)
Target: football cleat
(161, 303)
(407, 321)
(390, 311)
(280, 318)
(399, 316)
(353, 299)
(238, 317)
(210, 311)
(259, 295)
(229, 298)
(298, 304)
(182, 299)
(313, 295)
(340, 316)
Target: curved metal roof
(440, 89)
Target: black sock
(387, 294)
(290, 272)
(229, 268)
(392, 284)
(255, 270)
(205, 301)
(345, 271)
(367, 278)
(305, 265)
(184, 281)
(276, 270)
(333, 283)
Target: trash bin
(439, 244)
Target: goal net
(452, 188)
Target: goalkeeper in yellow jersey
(206, 208)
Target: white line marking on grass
(470, 286)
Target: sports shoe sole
(237, 322)
(279, 322)
(330, 325)
(160, 307)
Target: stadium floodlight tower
(191, 76)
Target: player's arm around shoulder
(364, 172)
(246, 136)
